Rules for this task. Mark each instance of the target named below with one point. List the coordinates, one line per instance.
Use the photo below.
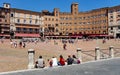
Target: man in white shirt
(41, 63)
(54, 62)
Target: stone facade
(4, 21)
(74, 23)
(114, 21)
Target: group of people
(53, 62)
(14, 44)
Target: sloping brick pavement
(12, 59)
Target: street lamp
(11, 34)
(2, 34)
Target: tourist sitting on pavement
(69, 60)
(41, 62)
(50, 63)
(36, 64)
(75, 60)
(61, 61)
(53, 62)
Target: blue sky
(63, 5)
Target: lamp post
(2, 34)
(11, 34)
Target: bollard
(79, 54)
(97, 53)
(111, 52)
(31, 53)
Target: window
(49, 25)
(6, 5)
(56, 25)
(118, 19)
(111, 16)
(80, 23)
(0, 20)
(5, 20)
(56, 30)
(118, 10)
(11, 15)
(25, 16)
(30, 16)
(56, 14)
(24, 21)
(111, 20)
(118, 27)
(88, 17)
(75, 12)
(36, 21)
(52, 19)
(75, 18)
(84, 22)
(70, 18)
(24, 29)
(30, 29)
(70, 23)
(83, 17)
(46, 19)
(118, 15)
(36, 30)
(30, 21)
(110, 11)
(66, 18)
(56, 19)
(18, 20)
(80, 18)
(49, 19)
(75, 23)
(111, 28)
(18, 29)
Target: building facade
(4, 20)
(25, 23)
(94, 22)
(114, 21)
(51, 22)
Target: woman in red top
(61, 61)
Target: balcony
(2, 16)
(5, 25)
(118, 31)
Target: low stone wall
(100, 67)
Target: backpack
(78, 61)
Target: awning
(4, 35)
(26, 35)
(100, 35)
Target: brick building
(26, 23)
(4, 20)
(114, 21)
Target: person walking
(24, 45)
(20, 44)
(64, 46)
